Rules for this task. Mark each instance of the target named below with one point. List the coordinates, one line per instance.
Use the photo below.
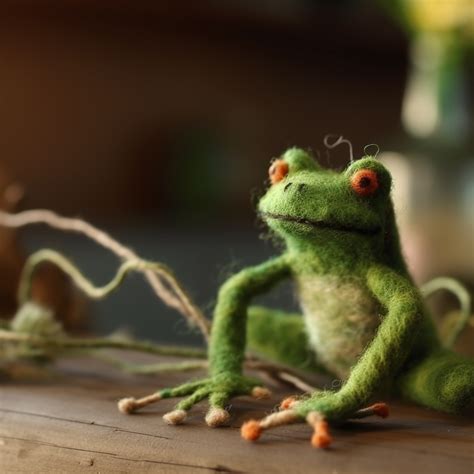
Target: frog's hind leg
(444, 381)
(280, 337)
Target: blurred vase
(433, 164)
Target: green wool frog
(363, 319)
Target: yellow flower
(441, 15)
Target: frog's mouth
(321, 224)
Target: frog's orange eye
(278, 170)
(365, 182)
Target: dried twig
(166, 287)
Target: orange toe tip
(381, 409)
(286, 403)
(251, 430)
(321, 440)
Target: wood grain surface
(68, 422)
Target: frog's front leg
(380, 361)
(226, 351)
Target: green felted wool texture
(280, 337)
(228, 337)
(443, 381)
(385, 353)
(363, 317)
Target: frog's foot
(321, 438)
(218, 390)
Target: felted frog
(363, 319)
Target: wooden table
(70, 423)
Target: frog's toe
(321, 436)
(380, 409)
(289, 402)
(175, 417)
(377, 409)
(252, 429)
(129, 405)
(217, 416)
(261, 393)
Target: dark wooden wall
(120, 109)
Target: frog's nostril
(287, 186)
(301, 186)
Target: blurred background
(157, 121)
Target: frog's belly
(341, 318)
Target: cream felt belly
(341, 318)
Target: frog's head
(306, 200)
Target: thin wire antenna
(377, 149)
(339, 141)
(328, 156)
